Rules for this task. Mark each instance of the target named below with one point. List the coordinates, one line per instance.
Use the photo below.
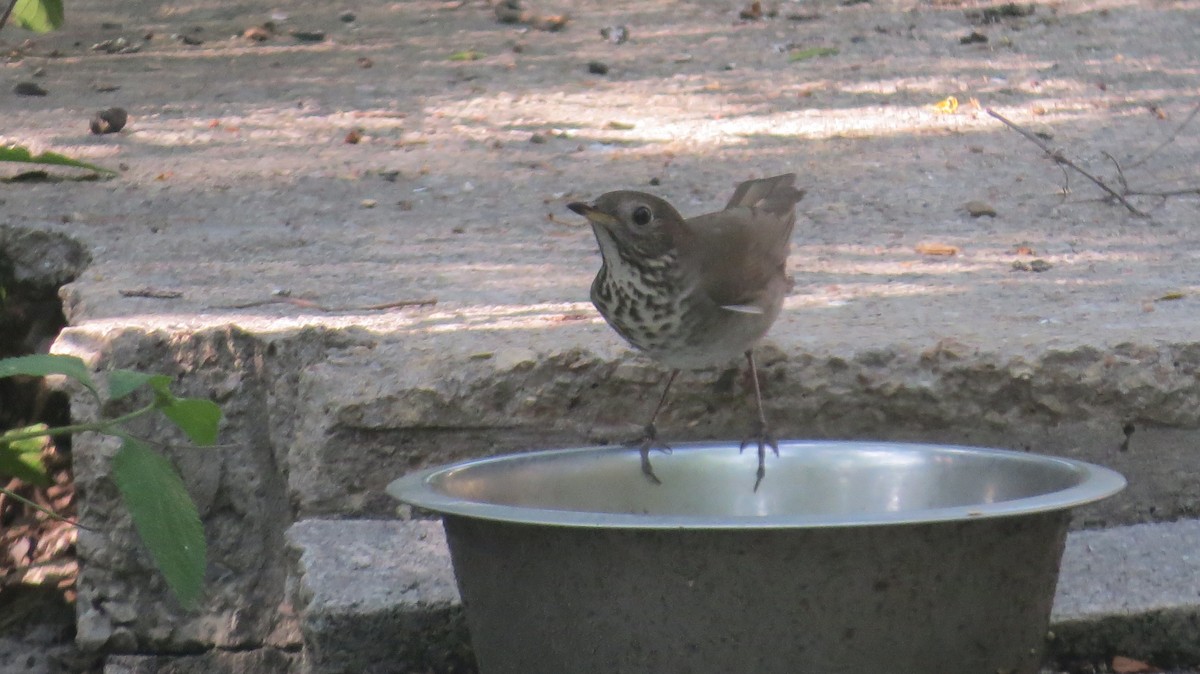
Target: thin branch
(1170, 139)
(310, 304)
(1120, 173)
(1058, 157)
(1166, 193)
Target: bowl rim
(1096, 483)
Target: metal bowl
(863, 557)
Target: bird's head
(628, 223)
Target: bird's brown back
(740, 253)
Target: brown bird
(698, 292)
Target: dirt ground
(375, 152)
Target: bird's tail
(773, 195)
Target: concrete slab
(377, 597)
(1131, 590)
(249, 250)
(380, 592)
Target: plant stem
(102, 426)
(7, 11)
(47, 511)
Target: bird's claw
(760, 436)
(648, 443)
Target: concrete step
(376, 595)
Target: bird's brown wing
(739, 255)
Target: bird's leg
(649, 439)
(759, 432)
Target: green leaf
(196, 417)
(41, 365)
(40, 16)
(812, 52)
(16, 153)
(123, 382)
(165, 517)
(466, 55)
(23, 458)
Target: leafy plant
(163, 513)
(40, 16)
(18, 154)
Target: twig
(1165, 193)
(400, 304)
(1058, 157)
(1170, 139)
(1120, 173)
(152, 293)
(7, 12)
(310, 304)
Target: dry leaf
(1023, 250)
(1173, 295)
(354, 137)
(466, 55)
(946, 106)
(751, 12)
(257, 33)
(552, 23)
(978, 209)
(1124, 665)
(811, 53)
(943, 249)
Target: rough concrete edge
(255, 661)
(230, 366)
(1166, 637)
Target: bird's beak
(594, 216)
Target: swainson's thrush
(697, 292)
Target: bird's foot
(646, 444)
(762, 437)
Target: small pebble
(597, 68)
(347, 17)
(615, 34)
(1038, 265)
(369, 203)
(978, 209)
(111, 120)
(308, 35)
(29, 89)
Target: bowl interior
(809, 484)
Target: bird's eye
(641, 215)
